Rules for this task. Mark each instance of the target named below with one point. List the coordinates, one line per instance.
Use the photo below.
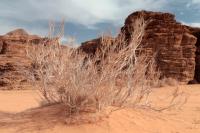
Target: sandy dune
(178, 119)
(17, 101)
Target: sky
(87, 19)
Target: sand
(17, 101)
(21, 112)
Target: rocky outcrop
(13, 61)
(172, 42)
(91, 47)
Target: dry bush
(117, 75)
(126, 71)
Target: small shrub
(117, 75)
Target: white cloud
(32, 14)
(195, 24)
(196, 1)
(86, 12)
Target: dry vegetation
(118, 75)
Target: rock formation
(13, 61)
(173, 43)
(90, 47)
(196, 33)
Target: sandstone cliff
(13, 61)
(175, 45)
(90, 47)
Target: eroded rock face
(13, 61)
(91, 47)
(171, 41)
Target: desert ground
(21, 112)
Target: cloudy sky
(87, 19)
